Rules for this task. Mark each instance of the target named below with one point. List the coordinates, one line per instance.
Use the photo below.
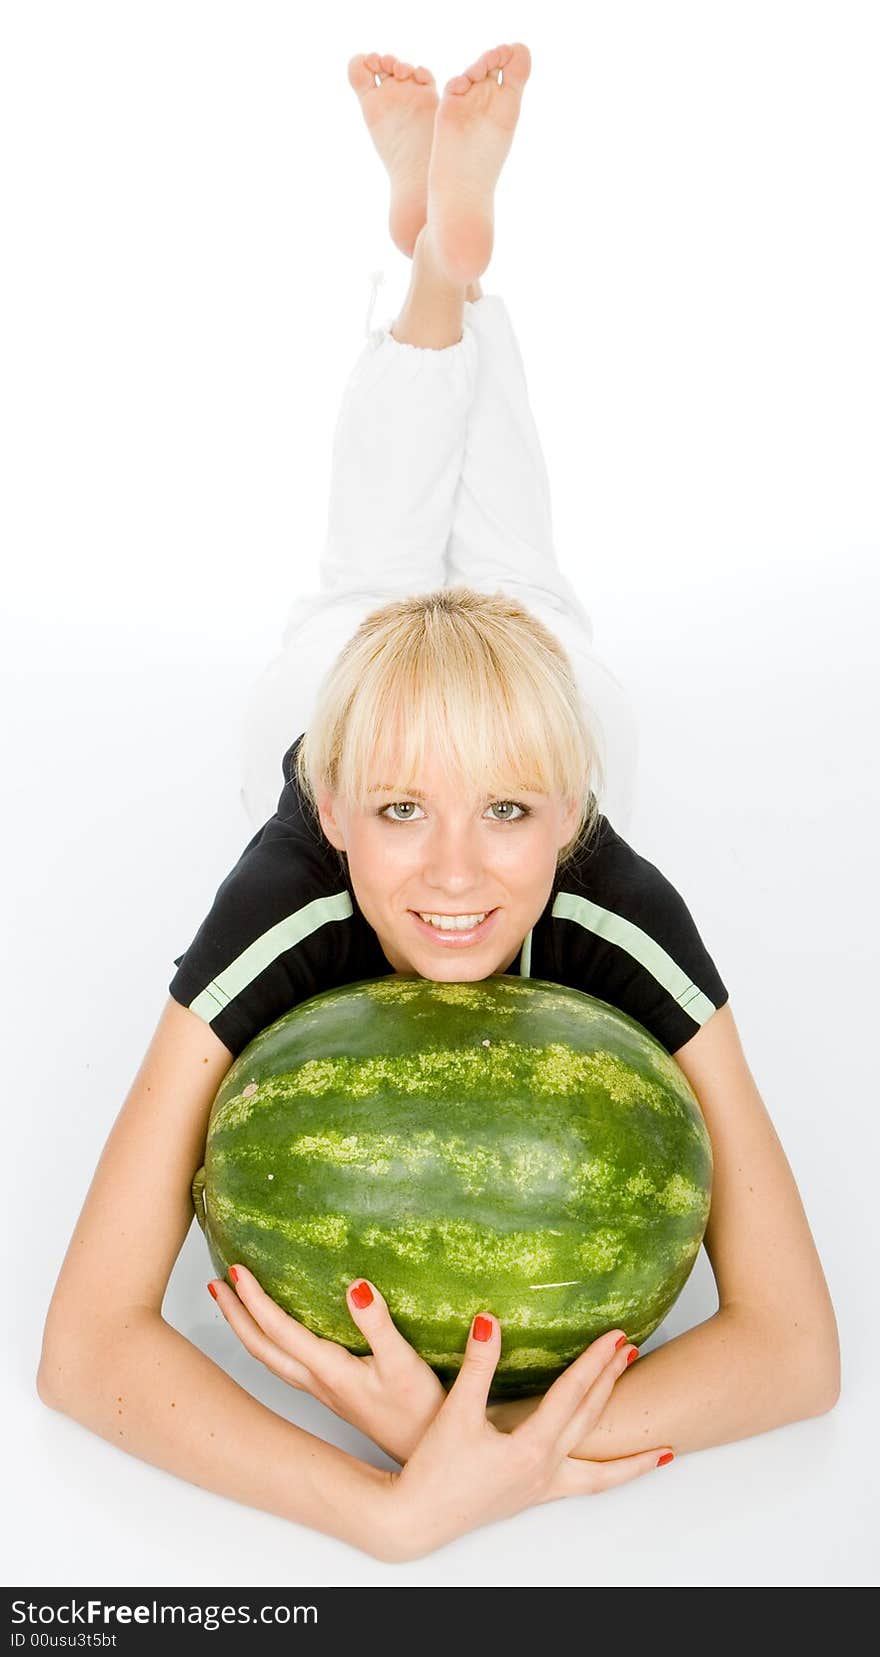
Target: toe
(388, 62)
(488, 63)
(402, 71)
(423, 75)
(518, 65)
(360, 75)
(477, 71)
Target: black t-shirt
(285, 924)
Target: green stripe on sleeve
(643, 948)
(265, 949)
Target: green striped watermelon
(508, 1145)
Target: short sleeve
(275, 934)
(673, 986)
(639, 946)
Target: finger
(292, 1337)
(256, 1342)
(560, 1401)
(469, 1392)
(388, 1346)
(582, 1478)
(588, 1412)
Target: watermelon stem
(197, 1192)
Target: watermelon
(508, 1145)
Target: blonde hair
(470, 678)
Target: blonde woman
(456, 765)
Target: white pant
(437, 479)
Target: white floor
(756, 796)
(191, 223)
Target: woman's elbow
(50, 1372)
(832, 1368)
(823, 1368)
(809, 1350)
(56, 1372)
(829, 1393)
(44, 1391)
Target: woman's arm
(714, 1384)
(111, 1361)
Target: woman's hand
(466, 1473)
(391, 1396)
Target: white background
(687, 243)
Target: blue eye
(524, 811)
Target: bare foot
(400, 115)
(473, 132)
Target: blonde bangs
(473, 681)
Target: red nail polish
(633, 1354)
(482, 1329)
(212, 1290)
(620, 1343)
(362, 1294)
(664, 1459)
(233, 1274)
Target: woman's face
(415, 853)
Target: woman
(458, 681)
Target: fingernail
(620, 1343)
(633, 1354)
(664, 1459)
(233, 1274)
(362, 1294)
(212, 1290)
(482, 1329)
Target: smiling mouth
(452, 914)
(455, 934)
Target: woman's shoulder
(624, 933)
(607, 863)
(279, 928)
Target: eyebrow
(388, 788)
(416, 794)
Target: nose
(454, 861)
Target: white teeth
(454, 923)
